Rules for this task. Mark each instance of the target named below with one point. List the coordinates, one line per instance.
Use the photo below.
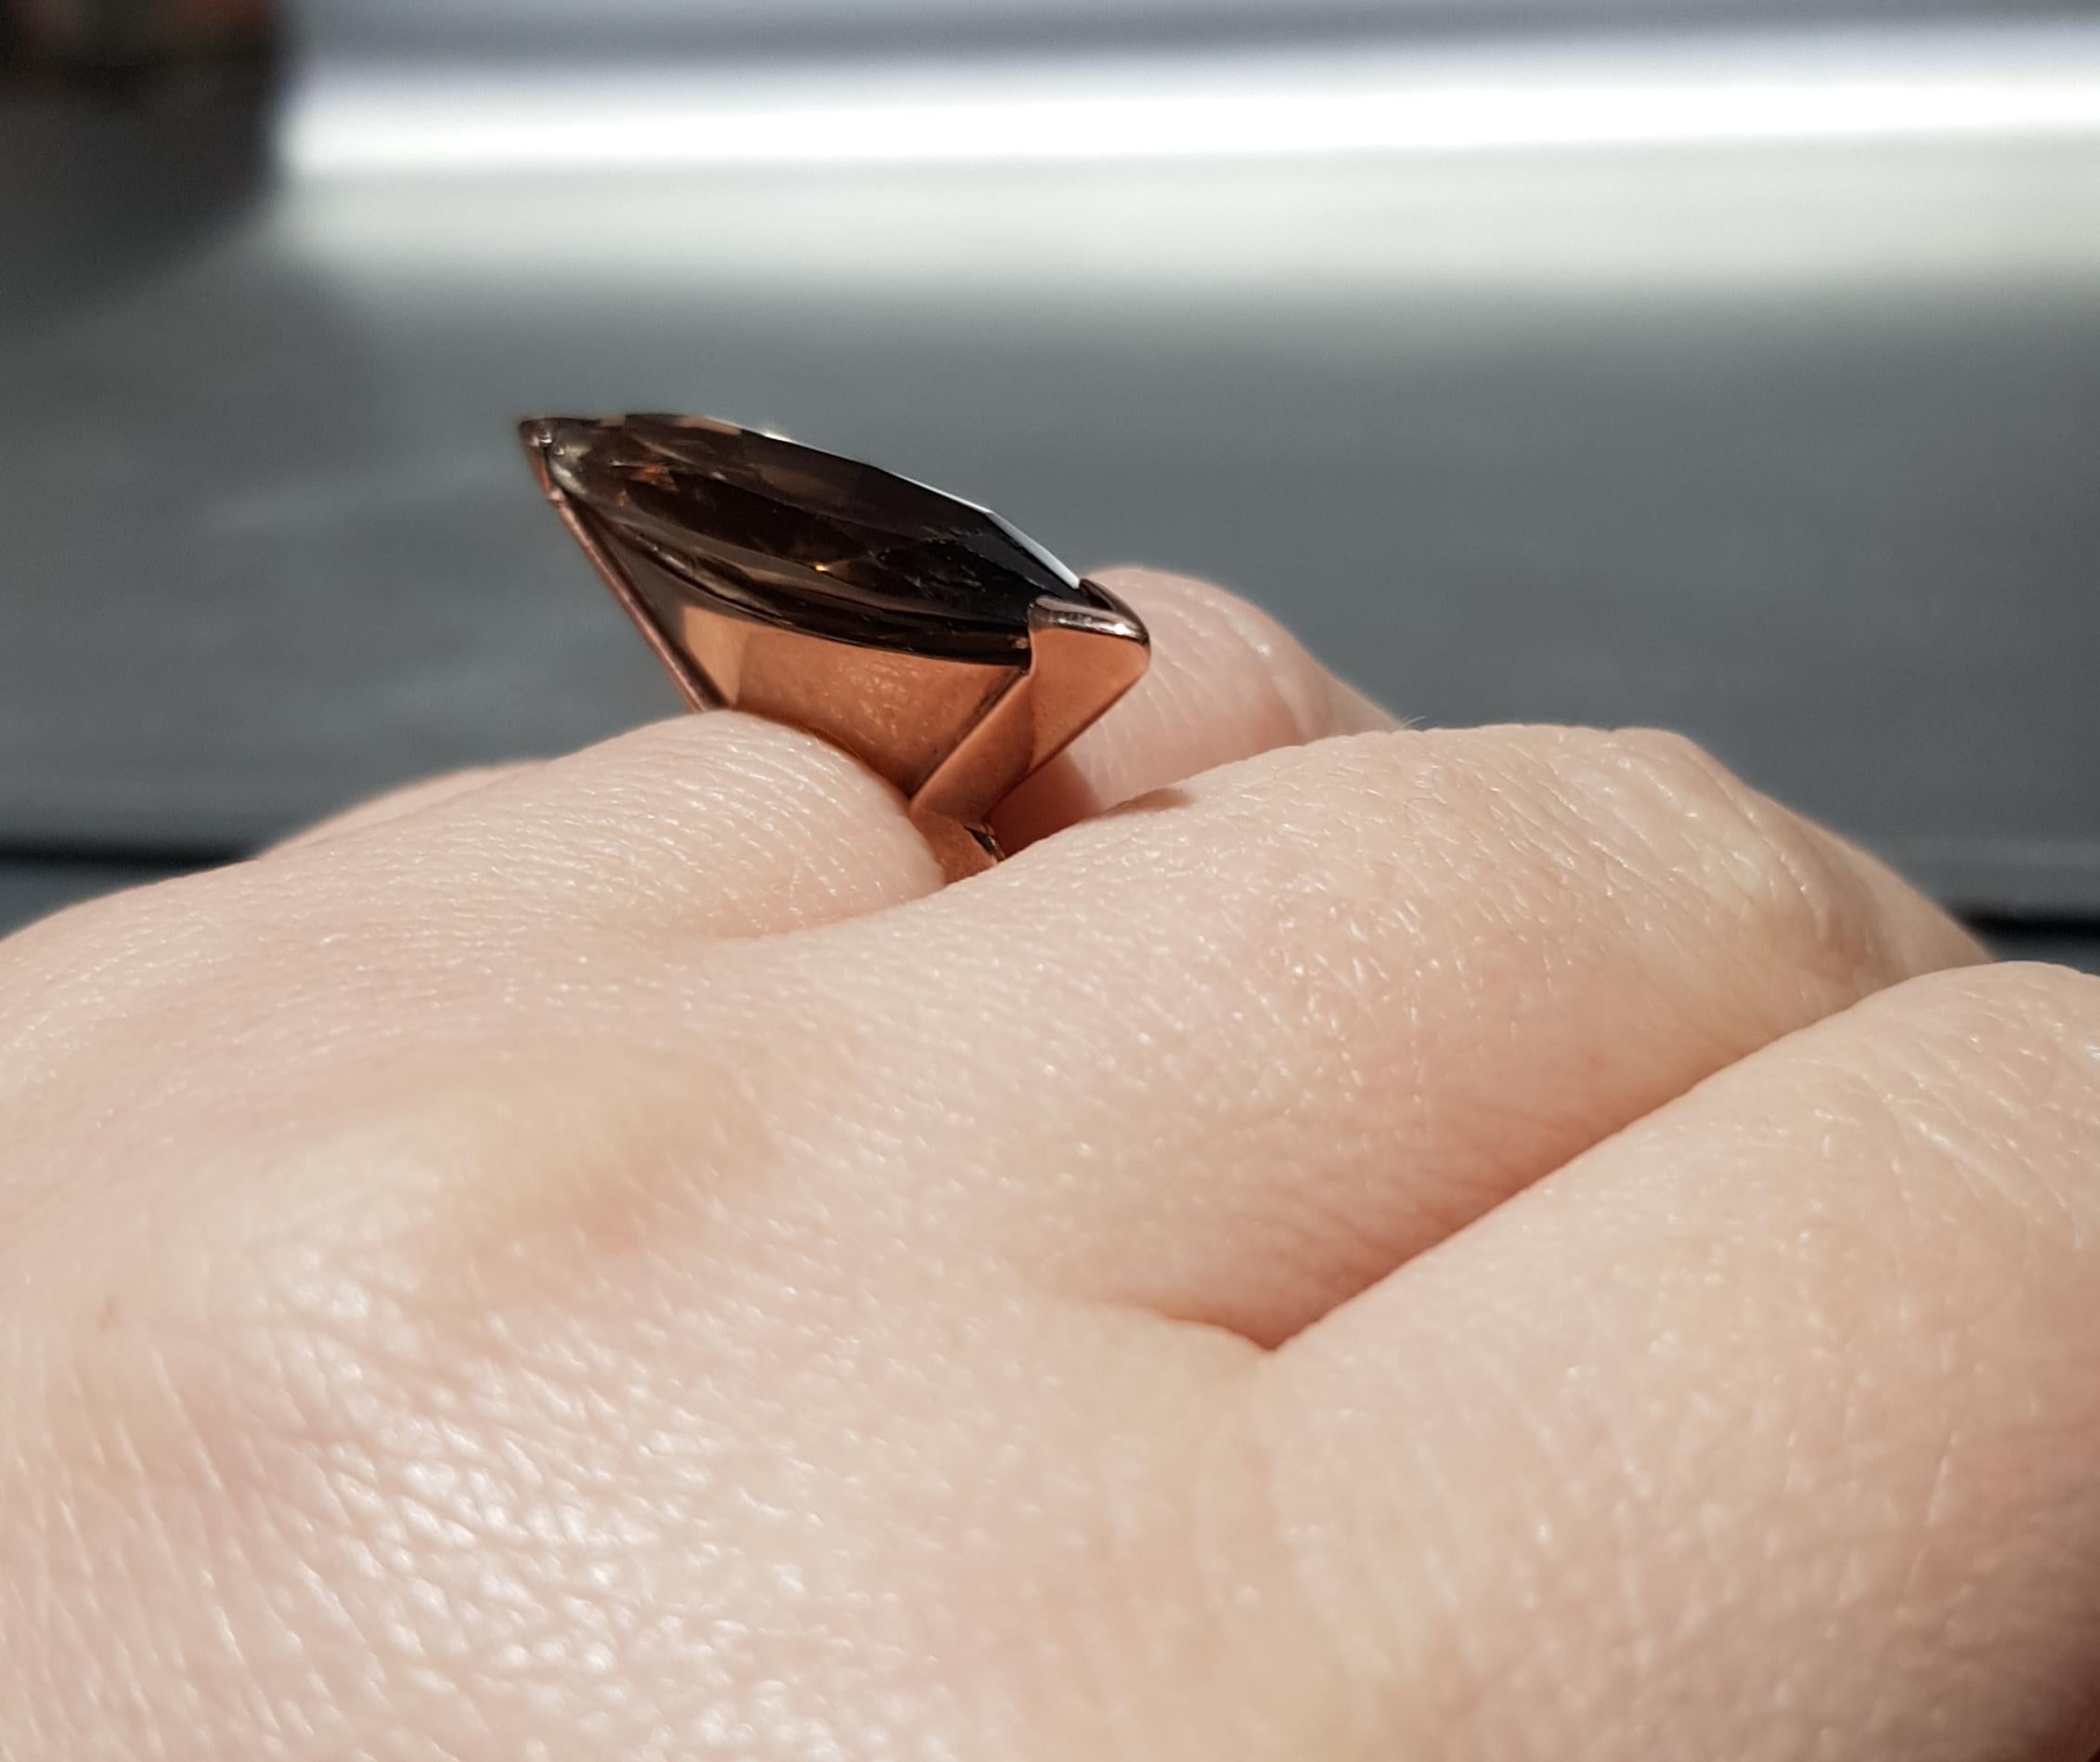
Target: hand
(1488, 1245)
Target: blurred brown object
(128, 41)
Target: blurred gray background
(1732, 367)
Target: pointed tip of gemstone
(558, 443)
(538, 433)
(1096, 612)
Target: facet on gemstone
(761, 528)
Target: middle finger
(1236, 1052)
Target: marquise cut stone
(761, 528)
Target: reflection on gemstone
(761, 528)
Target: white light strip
(384, 121)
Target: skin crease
(1496, 1244)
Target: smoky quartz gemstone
(761, 528)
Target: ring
(918, 631)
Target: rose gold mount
(953, 733)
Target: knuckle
(1636, 834)
(1673, 764)
(2026, 1022)
(2058, 1000)
(1999, 1067)
(2031, 1006)
(1785, 886)
(1648, 768)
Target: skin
(1498, 1244)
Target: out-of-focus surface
(162, 43)
(1745, 378)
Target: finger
(1778, 1413)
(1226, 681)
(427, 792)
(1238, 1055)
(733, 827)
(722, 824)
(561, 886)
